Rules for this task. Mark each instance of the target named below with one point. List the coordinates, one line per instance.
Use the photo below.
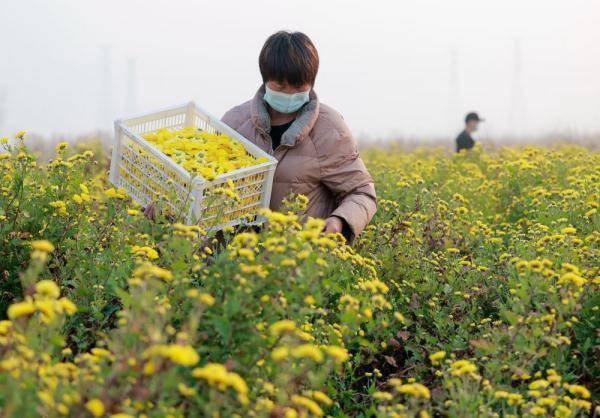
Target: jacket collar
(305, 121)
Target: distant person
(464, 140)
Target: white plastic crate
(146, 173)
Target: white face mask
(285, 102)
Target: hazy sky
(392, 68)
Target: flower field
(474, 292)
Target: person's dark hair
(289, 57)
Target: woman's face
(284, 87)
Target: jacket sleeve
(230, 118)
(345, 175)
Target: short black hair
(289, 57)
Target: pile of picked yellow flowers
(202, 153)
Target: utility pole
(2, 110)
(454, 89)
(131, 99)
(104, 105)
(517, 116)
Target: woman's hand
(333, 225)
(150, 211)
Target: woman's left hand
(333, 225)
(150, 211)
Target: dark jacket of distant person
(464, 141)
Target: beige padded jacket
(318, 158)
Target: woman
(317, 154)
